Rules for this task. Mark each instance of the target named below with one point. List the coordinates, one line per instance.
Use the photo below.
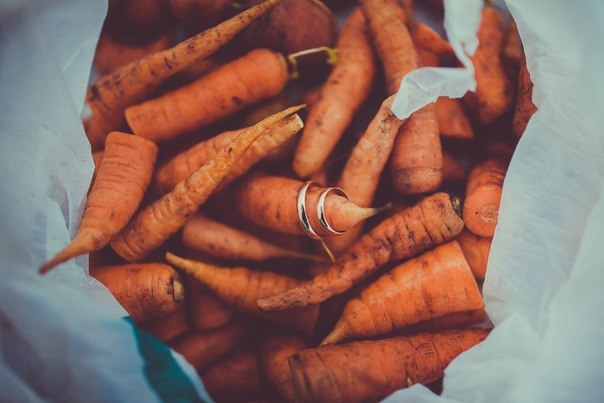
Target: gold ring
(302, 215)
(321, 209)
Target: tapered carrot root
(455, 320)
(270, 201)
(120, 183)
(432, 221)
(483, 195)
(234, 379)
(184, 164)
(204, 348)
(525, 108)
(340, 98)
(493, 95)
(274, 355)
(241, 287)
(111, 94)
(476, 249)
(259, 74)
(161, 219)
(370, 370)
(206, 310)
(436, 283)
(206, 235)
(146, 291)
(169, 326)
(111, 54)
(452, 119)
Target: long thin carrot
(120, 183)
(436, 283)
(109, 96)
(259, 74)
(455, 320)
(241, 287)
(270, 201)
(168, 326)
(476, 249)
(111, 54)
(161, 219)
(483, 195)
(146, 291)
(184, 164)
(205, 309)
(370, 370)
(274, 355)
(525, 108)
(432, 221)
(344, 91)
(234, 379)
(206, 235)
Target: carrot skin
(476, 249)
(525, 108)
(110, 54)
(205, 309)
(453, 170)
(274, 355)
(168, 326)
(513, 51)
(452, 119)
(456, 320)
(234, 379)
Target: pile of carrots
(202, 146)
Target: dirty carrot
(525, 108)
(483, 195)
(205, 309)
(259, 74)
(270, 201)
(436, 283)
(432, 221)
(184, 164)
(111, 54)
(241, 287)
(206, 235)
(452, 119)
(453, 170)
(340, 98)
(370, 370)
(476, 249)
(455, 320)
(168, 326)
(235, 379)
(120, 183)
(162, 218)
(274, 355)
(146, 291)
(426, 38)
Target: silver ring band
(321, 209)
(302, 214)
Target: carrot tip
(337, 335)
(179, 291)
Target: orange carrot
(476, 249)
(512, 48)
(109, 96)
(161, 219)
(121, 180)
(274, 355)
(452, 119)
(525, 108)
(206, 310)
(483, 195)
(455, 320)
(241, 287)
(169, 326)
(111, 54)
(146, 291)
(453, 170)
(204, 348)
(206, 235)
(370, 370)
(259, 74)
(184, 164)
(195, 13)
(341, 97)
(432, 221)
(96, 137)
(493, 95)
(270, 201)
(426, 38)
(234, 379)
(437, 283)
(97, 156)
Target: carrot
(111, 54)
(206, 235)
(270, 201)
(274, 355)
(434, 284)
(143, 15)
(493, 95)
(341, 97)
(184, 164)
(512, 48)
(525, 108)
(146, 291)
(259, 74)
(205, 309)
(195, 13)
(204, 348)
(432, 221)
(452, 119)
(370, 370)
(97, 156)
(234, 379)
(168, 326)
(476, 249)
(109, 96)
(96, 137)
(426, 38)
(453, 170)
(241, 287)
(455, 320)
(483, 195)
(161, 219)
(121, 180)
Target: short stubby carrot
(274, 355)
(525, 108)
(433, 221)
(111, 54)
(341, 97)
(452, 119)
(120, 183)
(483, 195)
(259, 74)
(184, 164)
(476, 249)
(168, 326)
(367, 371)
(146, 291)
(270, 201)
(162, 218)
(234, 379)
(241, 287)
(436, 283)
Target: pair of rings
(302, 210)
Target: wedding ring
(302, 214)
(321, 209)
